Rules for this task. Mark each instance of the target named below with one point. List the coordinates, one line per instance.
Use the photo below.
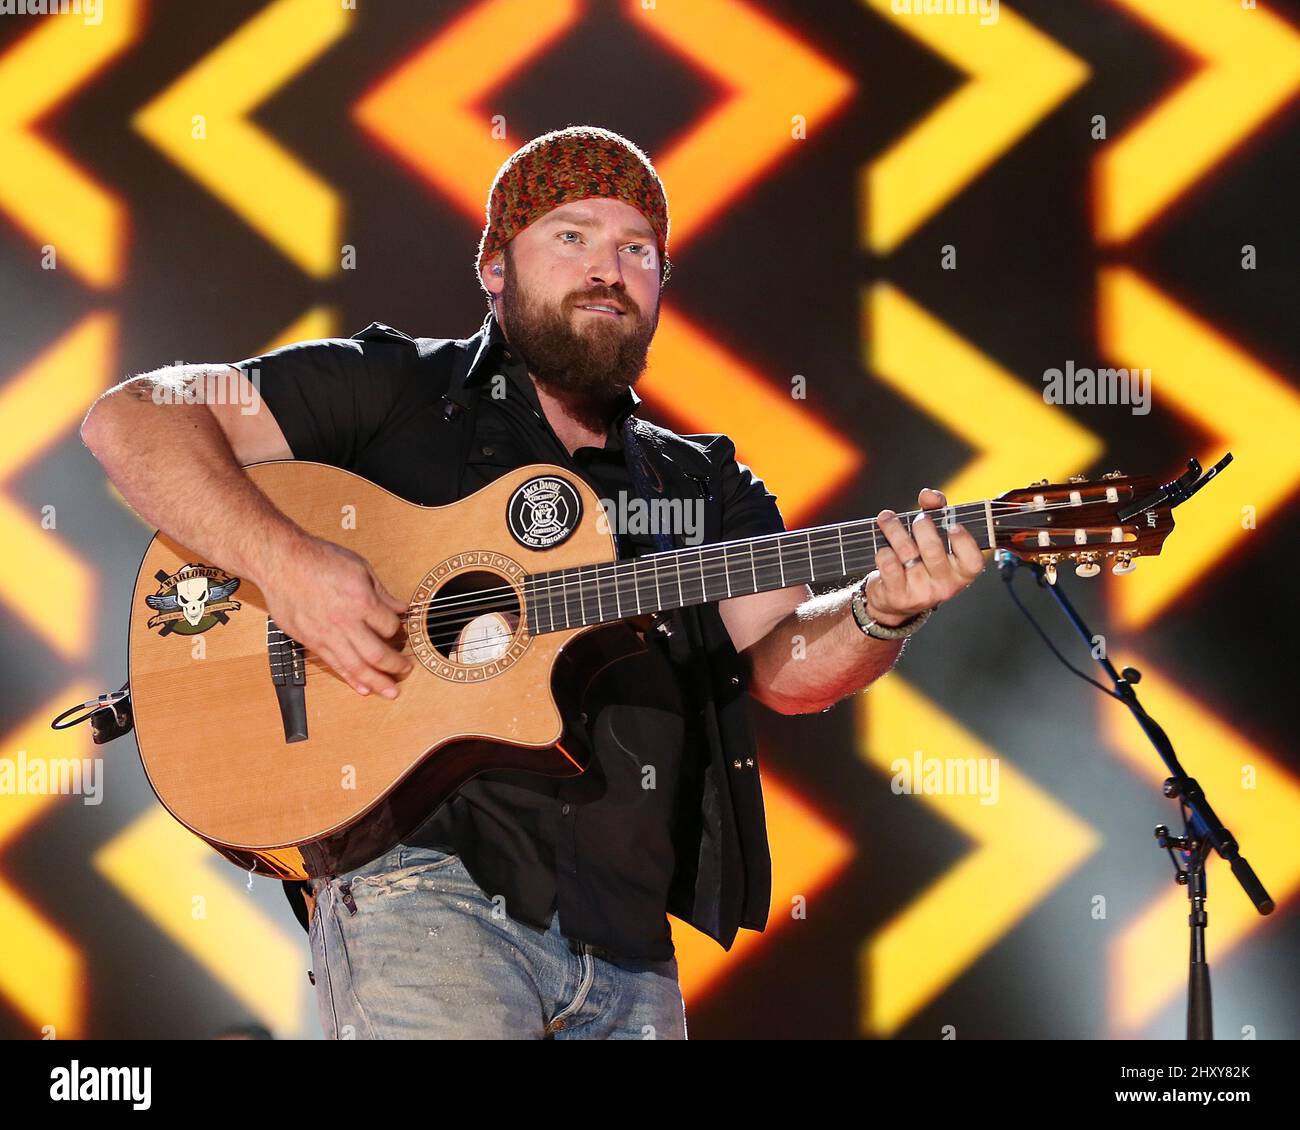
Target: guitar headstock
(1116, 518)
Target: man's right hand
(328, 599)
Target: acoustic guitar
(257, 747)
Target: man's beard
(587, 366)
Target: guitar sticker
(543, 512)
(192, 600)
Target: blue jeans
(410, 947)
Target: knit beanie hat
(572, 164)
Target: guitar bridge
(289, 675)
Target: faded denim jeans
(410, 947)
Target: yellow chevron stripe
(1240, 404)
(38, 407)
(1250, 69)
(238, 162)
(47, 195)
(1017, 77)
(166, 873)
(944, 930)
(42, 970)
(1016, 437)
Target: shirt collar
(493, 354)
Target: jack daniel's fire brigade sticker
(192, 600)
(543, 512)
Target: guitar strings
(639, 568)
(485, 602)
(625, 566)
(483, 597)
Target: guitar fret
(716, 571)
(949, 520)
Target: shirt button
(488, 450)
(564, 811)
(735, 680)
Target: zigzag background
(818, 161)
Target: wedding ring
(910, 564)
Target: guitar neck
(603, 593)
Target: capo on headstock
(1179, 490)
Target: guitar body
(280, 765)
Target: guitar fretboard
(601, 593)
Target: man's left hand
(915, 571)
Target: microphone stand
(1202, 829)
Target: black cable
(1009, 579)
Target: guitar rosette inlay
(467, 622)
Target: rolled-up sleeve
(749, 509)
(328, 398)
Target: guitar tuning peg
(1049, 568)
(1124, 563)
(1087, 566)
(1078, 478)
(1113, 475)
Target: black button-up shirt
(597, 847)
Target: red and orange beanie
(572, 164)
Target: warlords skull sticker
(543, 512)
(192, 600)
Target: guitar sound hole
(473, 618)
